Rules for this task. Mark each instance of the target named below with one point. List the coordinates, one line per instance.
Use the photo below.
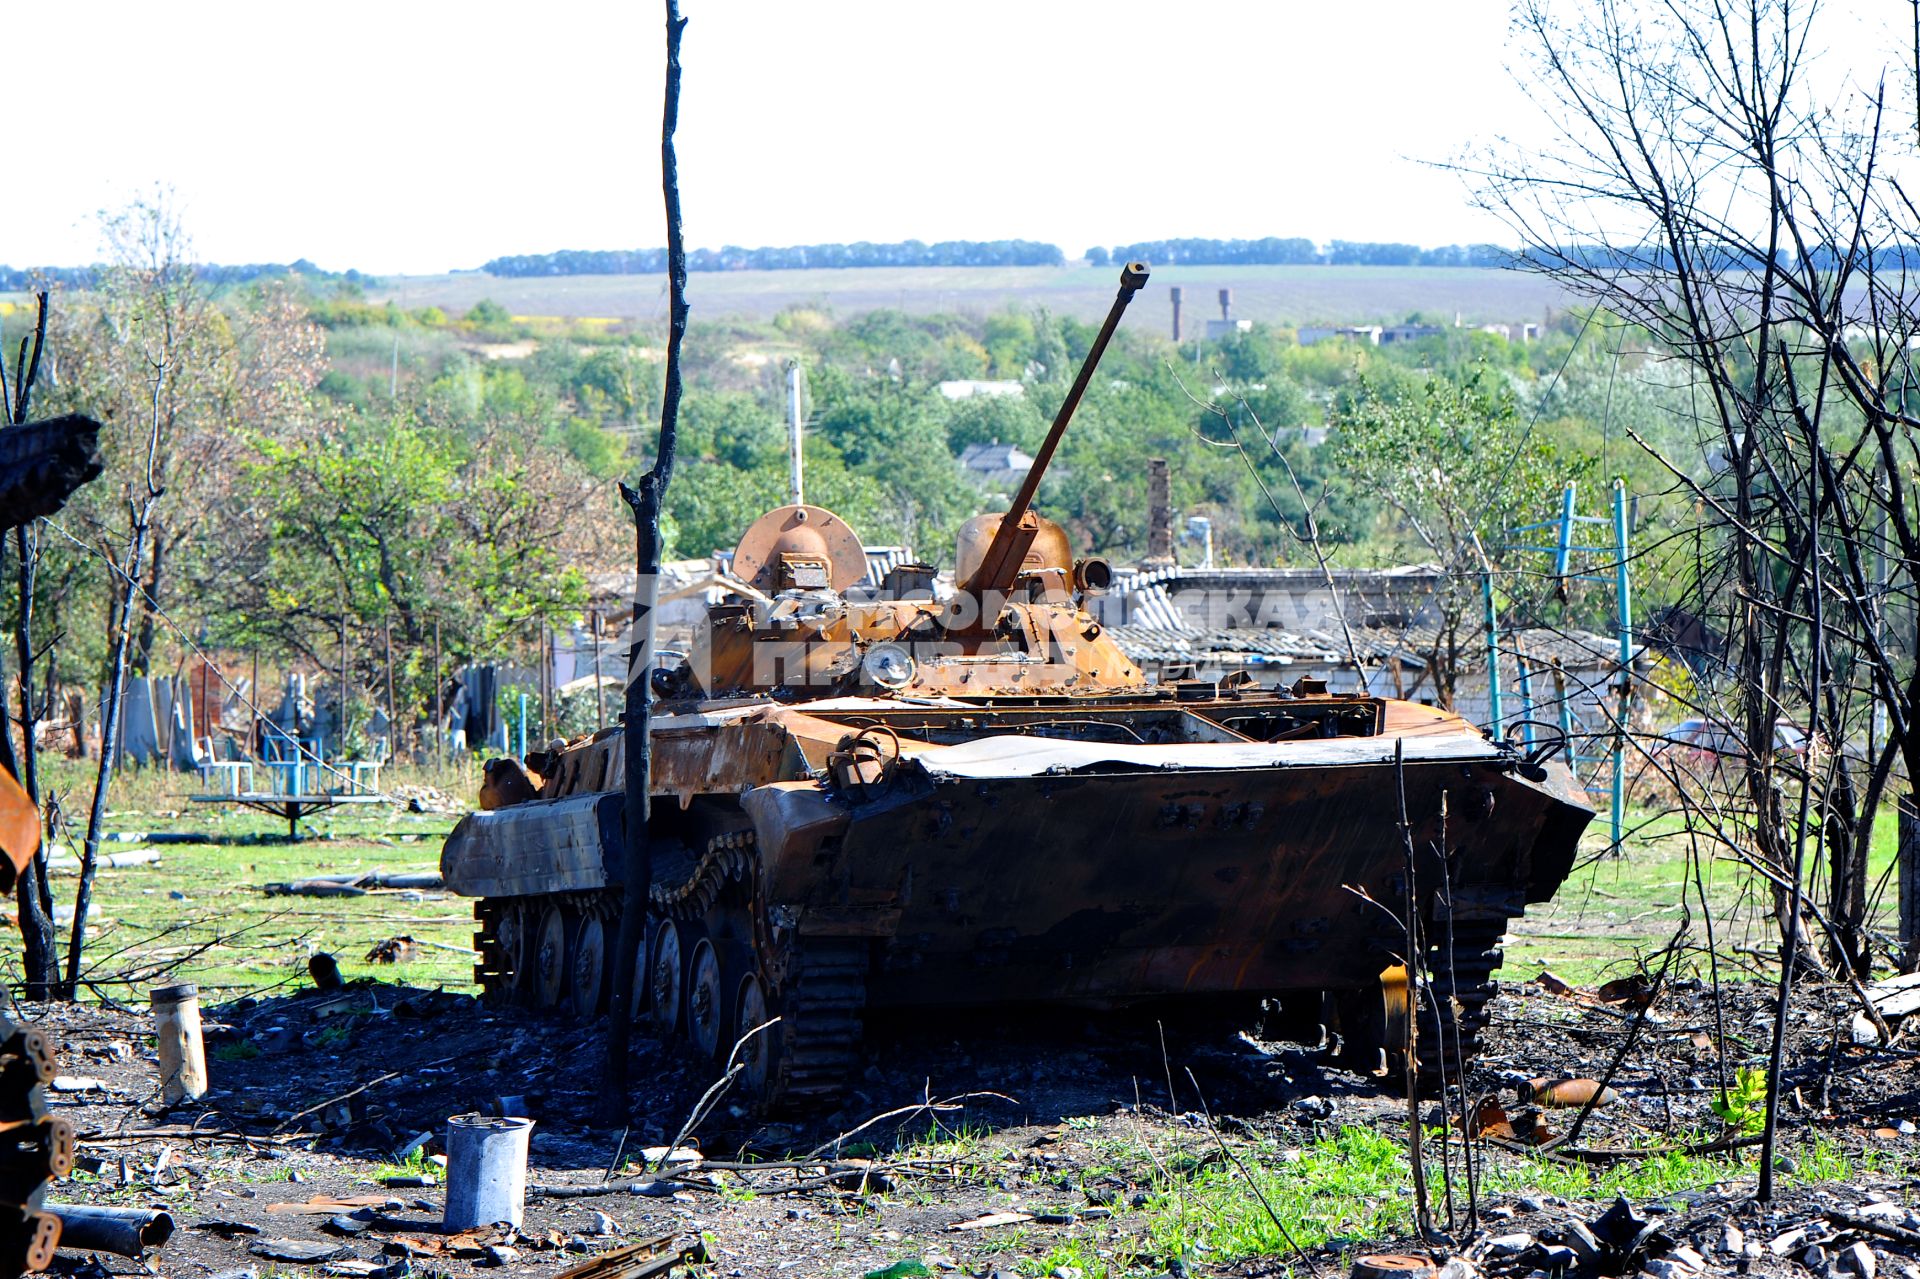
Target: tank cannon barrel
(1000, 565)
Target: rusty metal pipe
(126, 1232)
(1000, 565)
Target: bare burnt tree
(1719, 186)
(140, 498)
(647, 500)
(39, 948)
(1709, 188)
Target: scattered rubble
(345, 1092)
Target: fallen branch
(1886, 1230)
(355, 1092)
(1606, 1154)
(930, 1107)
(711, 1097)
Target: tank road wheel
(509, 949)
(548, 973)
(663, 978)
(756, 1054)
(1373, 1026)
(589, 967)
(706, 1001)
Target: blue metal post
(523, 726)
(1526, 699)
(1563, 548)
(1623, 588)
(1566, 720)
(1493, 657)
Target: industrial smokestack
(1178, 295)
(1226, 304)
(1159, 512)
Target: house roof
(1161, 642)
(995, 456)
(1240, 646)
(1179, 575)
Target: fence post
(1908, 857)
(1493, 656)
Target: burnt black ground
(1045, 1087)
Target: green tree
(1009, 339)
(1456, 468)
(385, 519)
(487, 314)
(983, 419)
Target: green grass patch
(1617, 908)
(416, 1164)
(1356, 1184)
(222, 931)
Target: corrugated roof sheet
(1170, 641)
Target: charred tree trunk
(39, 947)
(646, 502)
(103, 780)
(140, 521)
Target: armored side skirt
(1109, 882)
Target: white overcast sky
(418, 135)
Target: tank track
(822, 1020)
(820, 1028)
(822, 980)
(34, 1150)
(727, 858)
(1453, 1014)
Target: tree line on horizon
(212, 274)
(1268, 251)
(792, 258)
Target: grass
(1615, 909)
(1355, 1184)
(222, 931)
(416, 1164)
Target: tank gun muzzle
(1000, 565)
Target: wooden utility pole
(393, 729)
(548, 698)
(439, 717)
(340, 727)
(645, 502)
(599, 694)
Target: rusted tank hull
(810, 863)
(1113, 886)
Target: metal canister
(176, 1029)
(486, 1170)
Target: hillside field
(1288, 295)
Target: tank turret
(1015, 623)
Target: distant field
(1274, 294)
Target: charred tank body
(891, 800)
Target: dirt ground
(1083, 1147)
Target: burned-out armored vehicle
(884, 799)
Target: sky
(418, 136)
